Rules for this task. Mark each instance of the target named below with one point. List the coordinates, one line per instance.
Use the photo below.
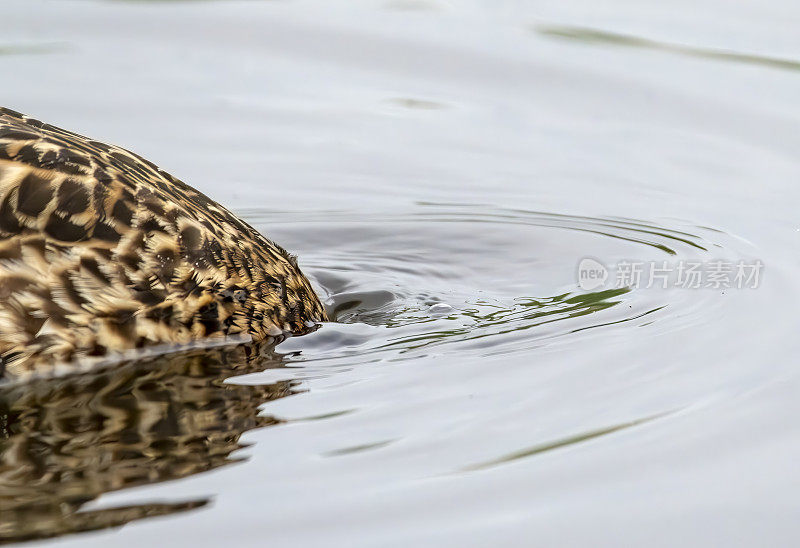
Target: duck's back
(100, 251)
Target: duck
(102, 252)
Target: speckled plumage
(102, 251)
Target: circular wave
(479, 280)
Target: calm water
(442, 168)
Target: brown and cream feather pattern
(102, 251)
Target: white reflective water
(441, 168)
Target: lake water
(442, 168)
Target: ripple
(597, 36)
(418, 104)
(32, 49)
(559, 444)
(439, 278)
(358, 448)
(633, 230)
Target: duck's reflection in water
(64, 442)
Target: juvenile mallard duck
(101, 251)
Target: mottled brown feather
(101, 251)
